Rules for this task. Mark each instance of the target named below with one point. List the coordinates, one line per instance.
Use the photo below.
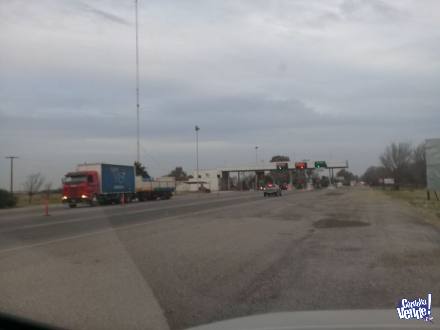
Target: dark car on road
(284, 186)
(272, 190)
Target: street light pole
(256, 155)
(12, 172)
(137, 85)
(197, 128)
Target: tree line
(405, 163)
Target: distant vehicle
(204, 189)
(107, 183)
(272, 190)
(284, 186)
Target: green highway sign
(320, 164)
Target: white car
(272, 190)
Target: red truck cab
(80, 187)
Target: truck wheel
(72, 205)
(93, 201)
(265, 195)
(141, 197)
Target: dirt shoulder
(417, 198)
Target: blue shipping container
(117, 179)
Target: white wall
(210, 177)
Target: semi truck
(100, 183)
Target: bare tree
(179, 174)
(280, 158)
(418, 166)
(47, 189)
(373, 174)
(347, 175)
(397, 159)
(419, 153)
(33, 184)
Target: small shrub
(7, 199)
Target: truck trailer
(109, 184)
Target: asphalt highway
(196, 259)
(31, 227)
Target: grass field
(417, 198)
(23, 200)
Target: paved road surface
(196, 259)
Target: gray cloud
(379, 9)
(322, 79)
(102, 13)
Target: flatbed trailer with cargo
(109, 183)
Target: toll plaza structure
(230, 177)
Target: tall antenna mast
(137, 84)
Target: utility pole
(12, 172)
(256, 166)
(137, 85)
(197, 128)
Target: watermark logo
(419, 309)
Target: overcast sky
(308, 79)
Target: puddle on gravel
(335, 223)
